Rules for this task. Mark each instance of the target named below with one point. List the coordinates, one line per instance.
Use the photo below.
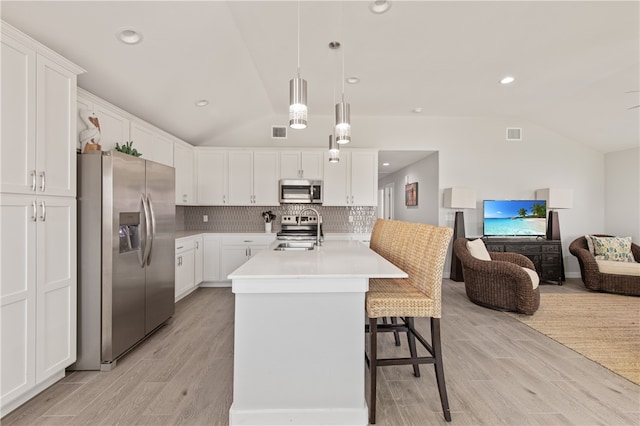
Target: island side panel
(299, 357)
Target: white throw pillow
(478, 249)
(535, 279)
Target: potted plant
(127, 148)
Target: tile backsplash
(249, 218)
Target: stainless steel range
(299, 228)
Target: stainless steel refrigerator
(126, 251)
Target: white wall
(425, 172)
(473, 153)
(622, 193)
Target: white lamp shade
(459, 198)
(557, 198)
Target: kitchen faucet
(318, 230)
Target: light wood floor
(498, 372)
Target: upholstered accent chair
(606, 275)
(502, 281)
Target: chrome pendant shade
(334, 152)
(298, 103)
(343, 123)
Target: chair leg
(396, 334)
(373, 366)
(411, 339)
(437, 354)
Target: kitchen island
(299, 338)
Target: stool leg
(396, 334)
(411, 339)
(437, 354)
(373, 366)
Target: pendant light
(343, 110)
(334, 152)
(298, 93)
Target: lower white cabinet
(188, 265)
(38, 294)
(211, 258)
(235, 250)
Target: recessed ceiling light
(353, 80)
(129, 36)
(507, 80)
(202, 103)
(380, 6)
(417, 110)
(385, 164)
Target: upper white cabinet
(184, 162)
(253, 178)
(301, 164)
(119, 126)
(211, 171)
(151, 143)
(353, 180)
(38, 120)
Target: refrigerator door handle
(153, 228)
(147, 232)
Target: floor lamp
(556, 199)
(458, 198)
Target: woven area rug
(603, 327)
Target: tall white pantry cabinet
(37, 218)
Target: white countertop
(333, 259)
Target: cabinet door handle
(249, 251)
(43, 217)
(197, 246)
(224, 199)
(352, 199)
(178, 248)
(33, 180)
(42, 181)
(34, 212)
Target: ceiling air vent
(278, 132)
(514, 134)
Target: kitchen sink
(295, 246)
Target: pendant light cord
(342, 50)
(298, 38)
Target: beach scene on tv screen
(515, 217)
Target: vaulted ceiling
(576, 63)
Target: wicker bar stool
(420, 250)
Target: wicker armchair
(499, 284)
(594, 280)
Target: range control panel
(304, 220)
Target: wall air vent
(278, 132)
(514, 134)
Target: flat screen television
(515, 218)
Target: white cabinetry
(235, 250)
(211, 169)
(38, 295)
(211, 258)
(183, 161)
(301, 164)
(38, 210)
(253, 178)
(199, 259)
(353, 180)
(185, 267)
(151, 143)
(38, 122)
(189, 264)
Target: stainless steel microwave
(300, 191)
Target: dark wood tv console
(545, 254)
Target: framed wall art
(411, 194)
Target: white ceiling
(573, 61)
